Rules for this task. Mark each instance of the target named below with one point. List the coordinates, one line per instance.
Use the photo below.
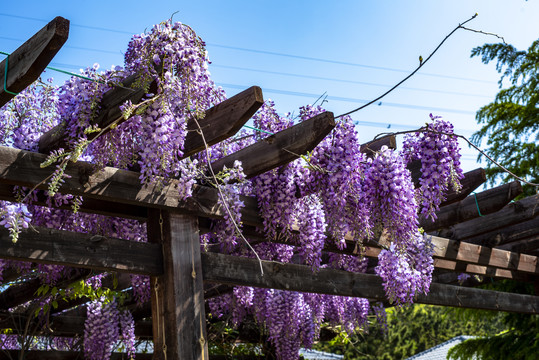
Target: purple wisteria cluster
(406, 273)
(329, 196)
(335, 171)
(101, 330)
(438, 150)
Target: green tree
(519, 340)
(412, 330)
(510, 124)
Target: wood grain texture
(220, 122)
(516, 212)
(26, 64)
(471, 181)
(371, 147)
(508, 234)
(58, 247)
(109, 112)
(488, 201)
(178, 314)
(244, 271)
(280, 148)
(223, 120)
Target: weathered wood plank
(19, 167)
(93, 206)
(471, 181)
(26, 64)
(508, 234)
(519, 211)
(489, 201)
(223, 120)
(482, 255)
(109, 113)
(280, 148)
(178, 314)
(526, 245)
(371, 147)
(244, 271)
(58, 247)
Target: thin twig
(222, 196)
(67, 157)
(482, 152)
(421, 63)
(484, 33)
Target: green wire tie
(47, 67)
(94, 80)
(260, 130)
(5, 75)
(477, 204)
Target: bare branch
(421, 63)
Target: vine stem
(221, 195)
(67, 157)
(482, 152)
(421, 63)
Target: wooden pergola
(485, 233)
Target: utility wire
(330, 61)
(344, 80)
(354, 100)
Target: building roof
(439, 352)
(309, 354)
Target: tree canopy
(510, 123)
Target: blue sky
(298, 50)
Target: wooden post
(179, 320)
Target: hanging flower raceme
(335, 171)
(439, 153)
(101, 330)
(406, 273)
(389, 192)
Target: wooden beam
(26, 64)
(488, 202)
(109, 112)
(236, 270)
(178, 314)
(471, 181)
(223, 120)
(461, 251)
(519, 211)
(371, 147)
(19, 293)
(462, 267)
(58, 247)
(525, 246)
(280, 148)
(508, 234)
(19, 167)
(220, 122)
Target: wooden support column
(179, 320)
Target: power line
(283, 73)
(274, 53)
(344, 80)
(345, 63)
(351, 100)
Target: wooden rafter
(246, 272)
(483, 203)
(280, 148)
(514, 213)
(26, 64)
(220, 122)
